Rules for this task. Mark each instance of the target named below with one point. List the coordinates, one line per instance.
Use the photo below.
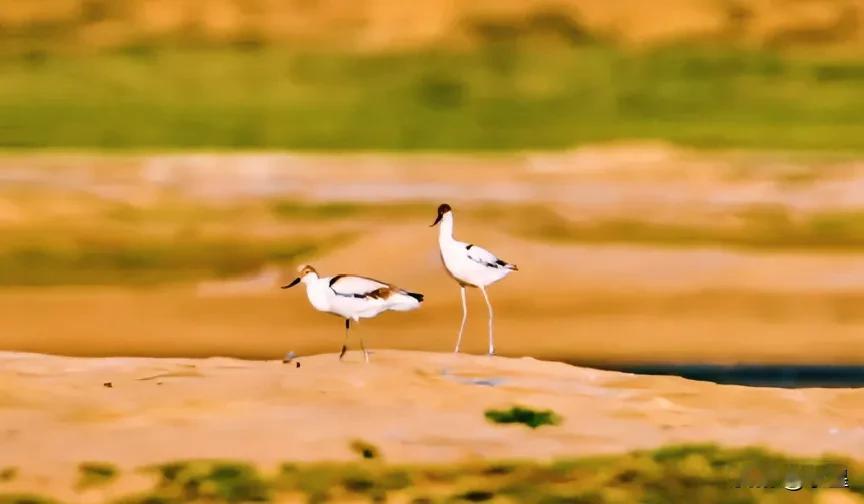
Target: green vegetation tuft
(507, 94)
(211, 481)
(526, 416)
(757, 228)
(91, 474)
(697, 473)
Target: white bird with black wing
(471, 266)
(353, 297)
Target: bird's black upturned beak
(437, 219)
(292, 284)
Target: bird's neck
(445, 230)
(316, 292)
(309, 280)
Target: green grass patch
(525, 416)
(504, 95)
(129, 260)
(757, 228)
(690, 473)
(92, 474)
(208, 481)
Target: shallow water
(771, 375)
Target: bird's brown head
(443, 208)
(303, 270)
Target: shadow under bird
(470, 266)
(353, 297)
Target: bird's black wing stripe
(484, 263)
(490, 265)
(497, 264)
(361, 295)
(336, 279)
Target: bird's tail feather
(405, 301)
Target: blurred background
(681, 181)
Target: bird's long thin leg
(464, 319)
(365, 353)
(345, 344)
(491, 322)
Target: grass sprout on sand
(96, 474)
(522, 415)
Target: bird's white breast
(458, 264)
(319, 295)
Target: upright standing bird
(353, 297)
(471, 266)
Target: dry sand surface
(56, 412)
